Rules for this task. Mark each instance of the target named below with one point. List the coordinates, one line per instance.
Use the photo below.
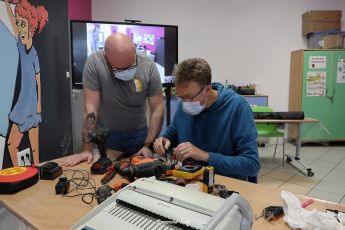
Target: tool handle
(109, 175)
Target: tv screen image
(158, 42)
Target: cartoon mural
(27, 21)
(9, 64)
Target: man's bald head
(120, 51)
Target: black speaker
(279, 115)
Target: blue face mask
(125, 75)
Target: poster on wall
(149, 39)
(34, 94)
(9, 58)
(341, 71)
(317, 62)
(316, 84)
(26, 22)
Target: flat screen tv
(158, 42)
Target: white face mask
(193, 107)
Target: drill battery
(208, 179)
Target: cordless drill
(143, 167)
(99, 137)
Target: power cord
(82, 185)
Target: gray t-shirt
(123, 103)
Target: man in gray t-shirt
(117, 82)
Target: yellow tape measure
(12, 171)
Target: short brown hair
(193, 69)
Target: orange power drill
(143, 167)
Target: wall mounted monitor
(158, 42)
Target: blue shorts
(128, 143)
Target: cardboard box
(324, 40)
(334, 41)
(321, 20)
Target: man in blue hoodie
(212, 124)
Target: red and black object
(119, 184)
(111, 172)
(15, 179)
(143, 167)
(101, 166)
(99, 137)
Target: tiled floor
(327, 162)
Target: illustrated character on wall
(9, 64)
(25, 116)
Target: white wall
(245, 41)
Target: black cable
(81, 181)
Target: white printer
(151, 204)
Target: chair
(269, 130)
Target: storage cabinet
(317, 87)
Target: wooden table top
(43, 209)
(287, 121)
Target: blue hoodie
(226, 130)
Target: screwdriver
(111, 172)
(169, 155)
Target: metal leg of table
(297, 158)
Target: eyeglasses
(179, 98)
(123, 69)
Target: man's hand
(80, 157)
(161, 144)
(144, 151)
(188, 150)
